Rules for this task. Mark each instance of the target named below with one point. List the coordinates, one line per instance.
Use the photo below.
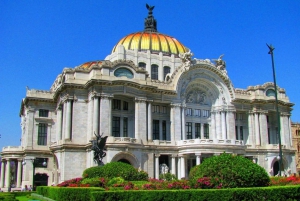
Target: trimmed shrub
(167, 177)
(229, 171)
(116, 169)
(94, 182)
(116, 181)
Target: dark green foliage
(235, 194)
(229, 171)
(115, 169)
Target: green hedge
(67, 193)
(237, 194)
(11, 196)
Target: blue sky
(40, 38)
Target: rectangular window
(188, 130)
(125, 127)
(155, 130)
(42, 134)
(197, 130)
(197, 113)
(155, 108)
(116, 104)
(43, 113)
(164, 130)
(167, 70)
(154, 72)
(116, 126)
(206, 131)
(236, 133)
(125, 105)
(189, 112)
(205, 113)
(241, 133)
(164, 109)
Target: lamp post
(34, 163)
(271, 48)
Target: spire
(150, 22)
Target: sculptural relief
(196, 97)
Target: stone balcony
(12, 149)
(210, 142)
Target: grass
(25, 198)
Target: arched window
(123, 72)
(142, 65)
(154, 72)
(167, 70)
(270, 92)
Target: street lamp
(35, 162)
(271, 48)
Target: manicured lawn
(25, 198)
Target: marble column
(218, 125)
(59, 124)
(157, 166)
(183, 123)
(105, 115)
(19, 175)
(250, 129)
(68, 120)
(213, 126)
(202, 130)
(140, 118)
(3, 167)
(257, 134)
(198, 159)
(182, 168)
(175, 122)
(230, 125)
(179, 168)
(150, 120)
(96, 115)
(282, 130)
(173, 159)
(263, 128)
(223, 119)
(7, 174)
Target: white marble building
(157, 105)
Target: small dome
(153, 41)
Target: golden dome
(153, 41)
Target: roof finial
(150, 22)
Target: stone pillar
(250, 129)
(213, 127)
(230, 125)
(3, 163)
(183, 123)
(68, 120)
(257, 134)
(198, 158)
(105, 115)
(19, 175)
(179, 168)
(59, 124)
(7, 174)
(263, 128)
(218, 125)
(202, 131)
(140, 119)
(282, 129)
(150, 120)
(173, 159)
(182, 168)
(223, 118)
(96, 115)
(157, 166)
(175, 122)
